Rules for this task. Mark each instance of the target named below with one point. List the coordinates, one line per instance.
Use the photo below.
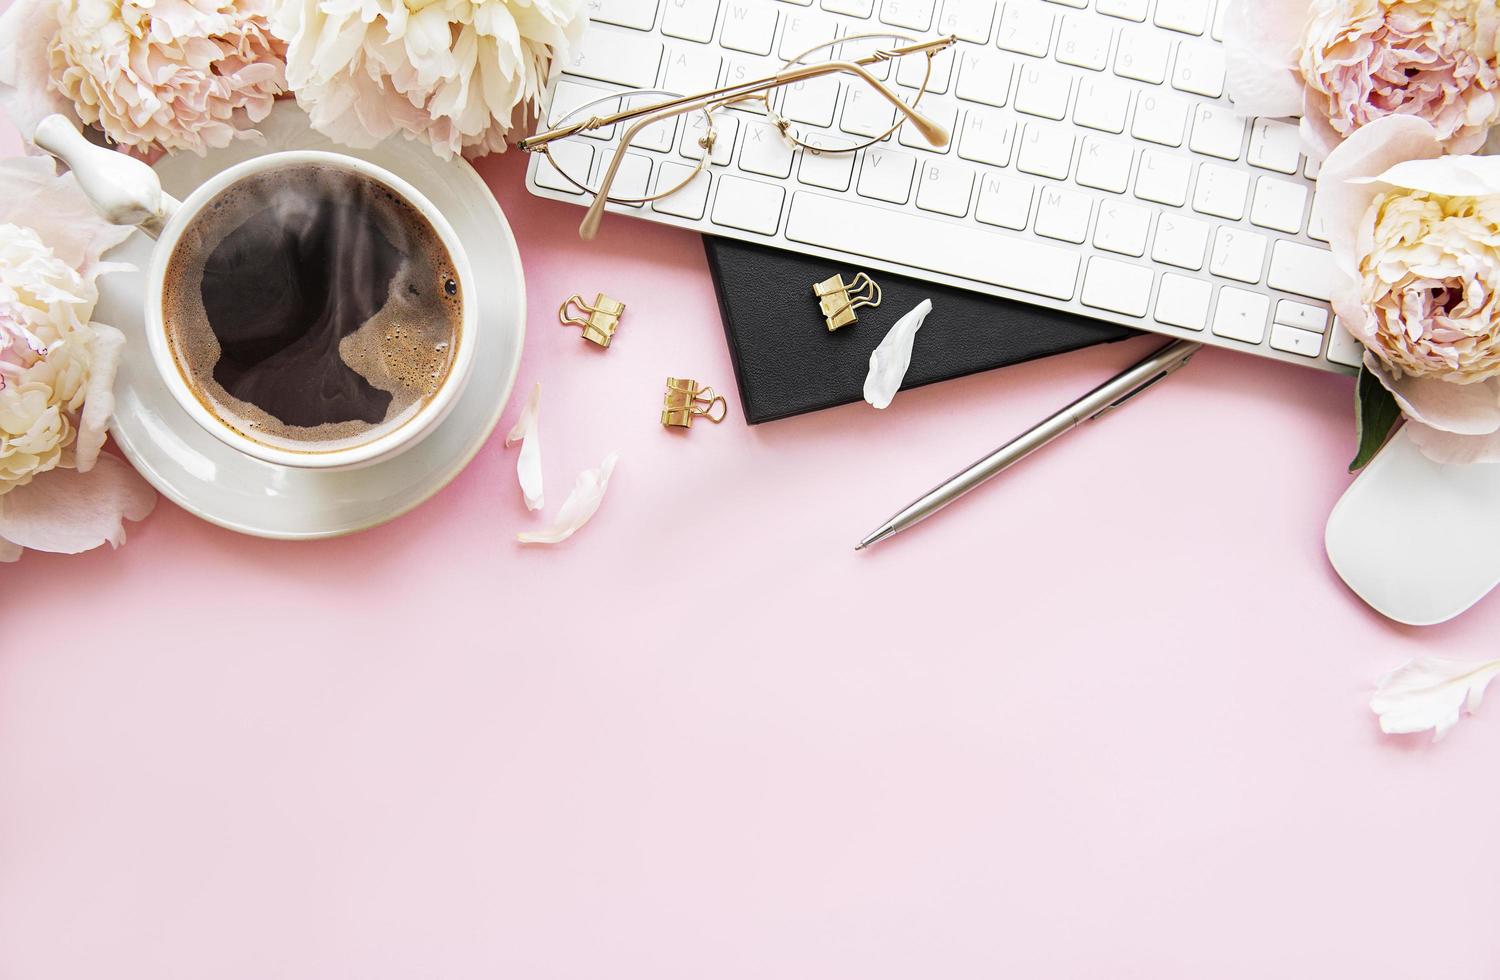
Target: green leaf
(1375, 415)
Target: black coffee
(312, 309)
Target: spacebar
(937, 246)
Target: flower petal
(67, 512)
(1450, 447)
(99, 399)
(1470, 410)
(1451, 176)
(1430, 693)
(588, 493)
(529, 461)
(1261, 38)
(889, 361)
(26, 95)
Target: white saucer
(207, 478)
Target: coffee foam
(404, 350)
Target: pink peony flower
(57, 368)
(452, 73)
(152, 74)
(1416, 235)
(1342, 64)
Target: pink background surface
(1104, 718)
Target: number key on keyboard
(914, 15)
(1125, 9)
(1159, 119)
(1025, 29)
(1084, 41)
(639, 14)
(970, 20)
(1187, 16)
(1142, 55)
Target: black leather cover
(787, 363)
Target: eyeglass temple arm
(931, 131)
(589, 227)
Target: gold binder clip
(685, 401)
(602, 320)
(839, 299)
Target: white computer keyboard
(1096, 164)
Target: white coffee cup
(126, 191)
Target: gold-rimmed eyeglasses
(648, 118)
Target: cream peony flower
(1417, 236)
(167, 74)
(450, 72)
(57, 370)
(1342, 64)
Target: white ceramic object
(204, 475)
(1417, 540)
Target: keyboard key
(1163, 178)
(986, 137)
(657, 136)
(695, 129)
(1275, 146)
(1238, 254)
(886, 176)
(1218, 131)
(1296, 341)
(1079, 4)
(748, 205)
(1004, 201)
(1301, 269)
(866, 112)
(1180, 241)
(617, 56)
(1316, 229)
(1221, 191)
(1159, 118)
(1046, 151)
(933, 244)
(806, 30)
(691, 70)
(1187, 16)
(633, 179)
(748, 27)
(1043, 90)
(914, 15)
(984, 77)
(1124, 9)
(942, 111)
(1301, 315)
(1025, 29)
(1343, 348)
(1142, 55)
(1104, 164)
(854, 8)
(1102, 104)
(570, 97)
(764, 151)
(1122, 228)
(1084, 41)
(1124, 287)
(639, 14)
(688, 202)
(911, 71)
(970, 20)
(812, 101)
(1199, 69)
(574, 155)
(1241, 315)
(831, 170)
(1182, 302)
(691, 20)
(1278, 204)
(1063, 215)
(945, 188)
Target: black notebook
(787, 362)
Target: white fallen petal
(889, 361)
(529, 462)
(1430, 692)
(581, 504)
(67, 512)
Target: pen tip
(860, 546)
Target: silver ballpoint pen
(1110, 395)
